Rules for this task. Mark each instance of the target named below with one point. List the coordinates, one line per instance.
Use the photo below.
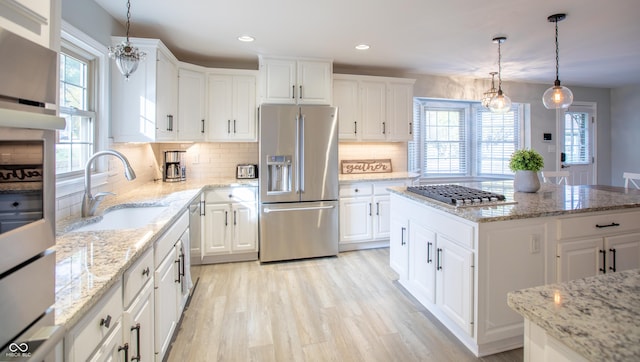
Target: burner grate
(457, 195)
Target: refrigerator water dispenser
(278, 174)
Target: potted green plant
(526, 164)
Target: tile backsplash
(396, 151)
(206, 161)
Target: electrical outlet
(534, 244)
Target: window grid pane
(497, 138)
(576, 137)
(445, 142)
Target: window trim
(82, 43)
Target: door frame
(560, 113)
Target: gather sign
(366, 166)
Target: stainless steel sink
(125, 218)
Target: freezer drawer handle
(268, 210)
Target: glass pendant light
(488, 95)
(500, 103)
(558, 96)
(127, 56)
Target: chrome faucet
(89, 202)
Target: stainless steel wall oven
(27, 199)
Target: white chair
(557, 177)
(629, 176)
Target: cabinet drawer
(137, 276)
(87, 335)
(596, 225)
(356, 189)
(166, 242)
(20, 202)
(230, 194)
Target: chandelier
(127, 56)
(558, 96)
(488, 95)
(500, 103)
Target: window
(463, 139)
(576, 137)
(76, 142)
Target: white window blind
(497, 137)
(445, 141)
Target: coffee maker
(174, 166)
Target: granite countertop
(550, 200)
(386, 176)
(596, 317)
(89, 263)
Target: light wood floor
(345, 308)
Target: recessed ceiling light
(246, 38)
(362, 47)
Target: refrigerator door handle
(268, 210)
(296, 163)
(301, 159)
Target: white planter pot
(526, 181)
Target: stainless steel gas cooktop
(456, 195)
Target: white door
(191, 105)
(112, 349)
(422, 270)
(220, 107)
(373, 110)
(399, 247)
(623, 252)
(243, 126)
(166, 304)
(399, 111)
(355, 219)
(382, 217)
(345, 97)
(577, 144)
(314, 82)
(454, 284)
(216, 228)
(579, 259)
(245, 227)
(139, 325)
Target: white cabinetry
(232, 106)
(598, 244)
(295, 81)
(144, 108)
(230, 225)
(191, 105)
(138, 319)
(365, 214)
(31, 19)
(374, 108)
(168, 288)
(461, 271)
(99, 330)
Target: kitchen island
(590, 319)
(460, 262)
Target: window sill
(75, 185)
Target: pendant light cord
(499, 67)
(129, 19)
(557, 54)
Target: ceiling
(599, 40)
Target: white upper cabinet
(144, 108)
(373, 108)
(31, 19)
(295, 81)
(191, 105)
(232, 106)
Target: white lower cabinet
(139, 314)
(139, 325)
(112, 349)
(230, 225)
(166, 304)
(365, 214)
(461, 271)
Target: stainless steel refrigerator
(298, 182)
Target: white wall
(625, 132)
